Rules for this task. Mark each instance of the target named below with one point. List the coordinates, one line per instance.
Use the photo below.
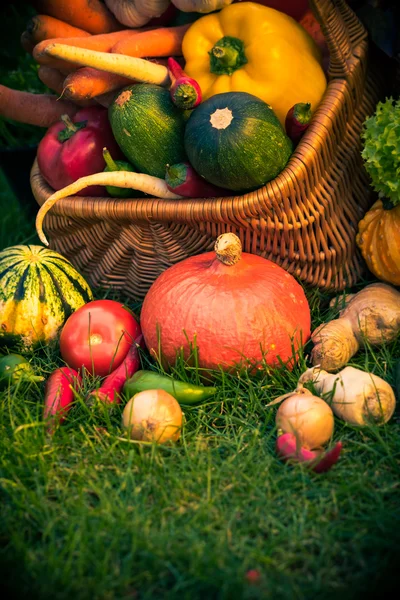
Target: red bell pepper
(73, 148)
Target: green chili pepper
(118, 165)
(15, 368)
(185, 393)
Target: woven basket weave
(304, 220)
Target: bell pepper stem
(66, 119)
(70, 128)
(110, 162)
(226, 56)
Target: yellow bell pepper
(251, 48)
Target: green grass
(91, 516)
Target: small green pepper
(15, 368)
(118, 165)
(185, 393)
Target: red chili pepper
(287, 449)
(111, 388)
(59, 394)
(185, 92)
(73, 148)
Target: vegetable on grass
(163, 41)
(44, 27)
(185, 91)
(288, 449)
(307, 417)
(371, 316)
(73, 148)
(111, 388)
(153, 416)
(153, 186)
(15, 369)
(98, 337)
(234, 310)
(185, 393)
(59, 395)
(183, 179)
(91, 15)
(357, 397)
(41, 110)
(297, 121)
(133, 68)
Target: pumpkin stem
(228, 249)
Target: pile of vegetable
(224, 310)
(192, 104)
(160, 99)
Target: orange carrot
(86, 83)
(164, 41)
(89, 83)
(90, 15)
(101, 43)
(36, 109)
(43, 27)
(26, 42)
(54, 80)
(127, 66)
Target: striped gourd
(39, 289)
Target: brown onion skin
(308, 417)
(250, 309)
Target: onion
(308, 417)
(153, 416)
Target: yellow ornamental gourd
(379, 241)
(379, 231)
(251, 48)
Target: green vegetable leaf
(381, 151)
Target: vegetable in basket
(379, 231)
(183, 180)
(73, 148)
(234, 140)
(185, 91)
(113, 166)
(297, 121)
(251, 48)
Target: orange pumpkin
(236, 309)
(379, 240)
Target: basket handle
(343, 32)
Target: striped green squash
(39, 289)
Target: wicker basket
(305, 220)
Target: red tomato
(98, 336)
